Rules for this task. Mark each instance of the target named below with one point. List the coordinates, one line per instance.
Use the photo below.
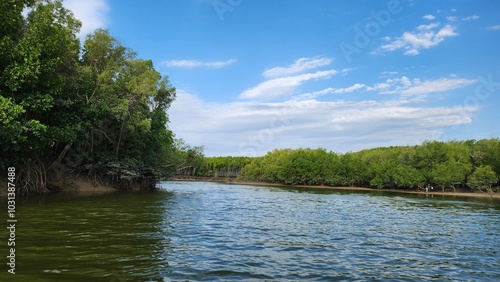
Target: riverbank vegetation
(466, 165)
(97, 110)
(192, 163)
(447, 166)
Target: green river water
(195, 231)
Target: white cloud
(330, 90)
(350, 89)
(473, 17)
(284, 81)
(451, 18)
(428, 17)
(301, 65)
(406, 86)
(313, 95)
(254, 128)
(198, 64)
(427, 27)
(494, 27)
(412, 52)
(388, 73)
(424, 37)
(439, 85)
(92, 13)
(283, 86)
(346, 70)
(379, 87)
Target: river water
(195, 231)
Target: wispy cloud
(428, 17)
(388, 73)
(473, 17)
(350, 89)
(301, 65)
(198, 64)
(284, 81)
(424, 37)
(438, 85)
(283, 86)
(494, 27)
(92, 13)
(416, 86)
(315, 94)
(330, 90)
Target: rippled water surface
(193, 231)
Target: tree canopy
(99, 110)
(446, 165)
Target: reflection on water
(70, 237)
(191, 231)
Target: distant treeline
(215, 167)
(467, 165)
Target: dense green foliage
(467, 165)
(191, 162)
(97, 111)
(223, 166)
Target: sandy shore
(74, 185)
(236, 182)
(82, 185)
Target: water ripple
(252, 233)
(212, 232)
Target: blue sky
(252, 76)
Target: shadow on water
(99, 237)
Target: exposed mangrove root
(59, 176)
(120, 176)
(32, 178)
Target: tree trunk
(120, 138)
(61, 155)
(92, 142)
